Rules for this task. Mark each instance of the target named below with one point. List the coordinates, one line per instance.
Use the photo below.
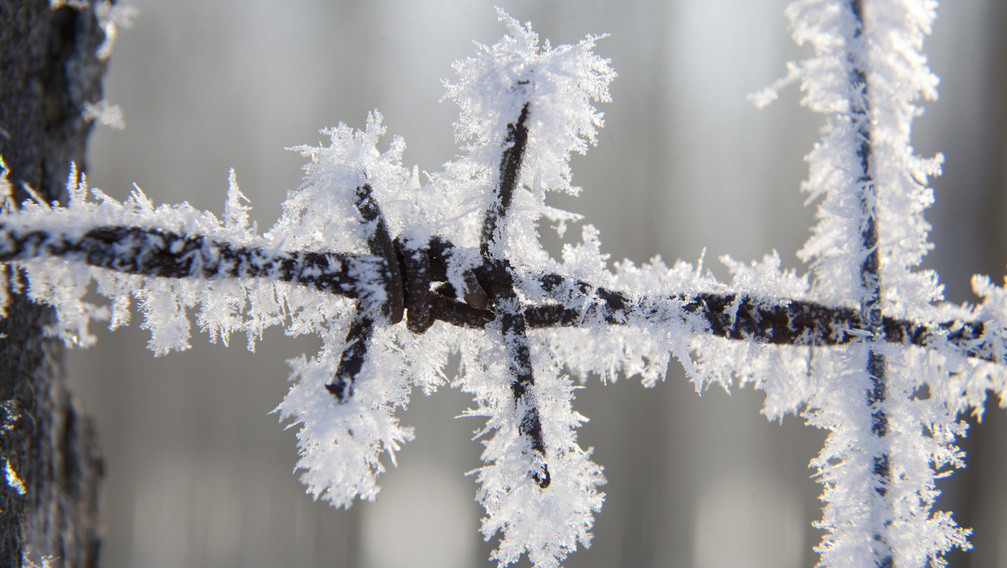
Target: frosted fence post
(51, 70)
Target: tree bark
(49, 68)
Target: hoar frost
(526, 325)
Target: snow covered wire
(358, 337)
(503, 294)
(157, 253)
(871, 314)
(860, 347)
(887, 442)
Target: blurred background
(199, 471)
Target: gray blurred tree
(49, 69)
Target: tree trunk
(49, 68)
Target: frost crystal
(105, 113)
(363, 245)
(13, 481)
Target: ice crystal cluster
(861, 346)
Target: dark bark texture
(48, 71)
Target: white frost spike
(235, 210)
(6, 195)
(111, 17)
(138, 200)
(13, 481)
(105, 113)
(34, 195)
(76, 187)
